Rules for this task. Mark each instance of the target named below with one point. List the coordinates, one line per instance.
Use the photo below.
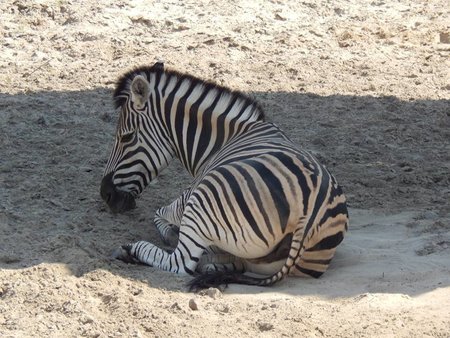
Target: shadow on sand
(387, 153)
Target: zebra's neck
(199, 117)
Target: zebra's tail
(216, 278)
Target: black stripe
(217, 198)
(126, 175)
(192, 129)
(275, 187)
(242, 203)
(177, 264)
(199, 215)
(164, 88)
(147, 140)
(198, 228)
(329, 242)
(204, 139)
(162, 257)
(256, 195)
(338, 209)
(219, 129)
(170, 264)
(130, 154)
(195, 259)
(228, 201)
(189, 271)
(132, 182)
(312, 273)
(168, 107)
(196, 244)
(236, 118)
(179, 123)
(204, 197)
(318, 203)
(137, 252)
(289, 164)
(317, 261)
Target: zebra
(259, 207)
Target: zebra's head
(141, 149)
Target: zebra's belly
(245, 249)
(264, 268)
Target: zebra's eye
(127, 137)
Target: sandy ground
(364, 85)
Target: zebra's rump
(258, 190)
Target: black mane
(125, 80)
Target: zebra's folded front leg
(168, 218)
(169, 232)
(184, 258)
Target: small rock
(87, 320)
(444, 37)
(193, 304)
(279, 17)
(264, 326)
(225, 309)
(141, 20)
(106, 117)
(214, 293)
(175, 306)
(41, 121)
(318, 141)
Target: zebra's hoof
(123, 253)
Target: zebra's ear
(140, 91)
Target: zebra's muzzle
(117, 200)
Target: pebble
(87, 320)
(193, 304)
(444, 37)
(214, 293)
(175, 306)
(225, 309)
(41, 121)
(106, 117)
(264, 326)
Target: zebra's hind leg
(320, 247)
(212, 262)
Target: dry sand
(362, 84)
